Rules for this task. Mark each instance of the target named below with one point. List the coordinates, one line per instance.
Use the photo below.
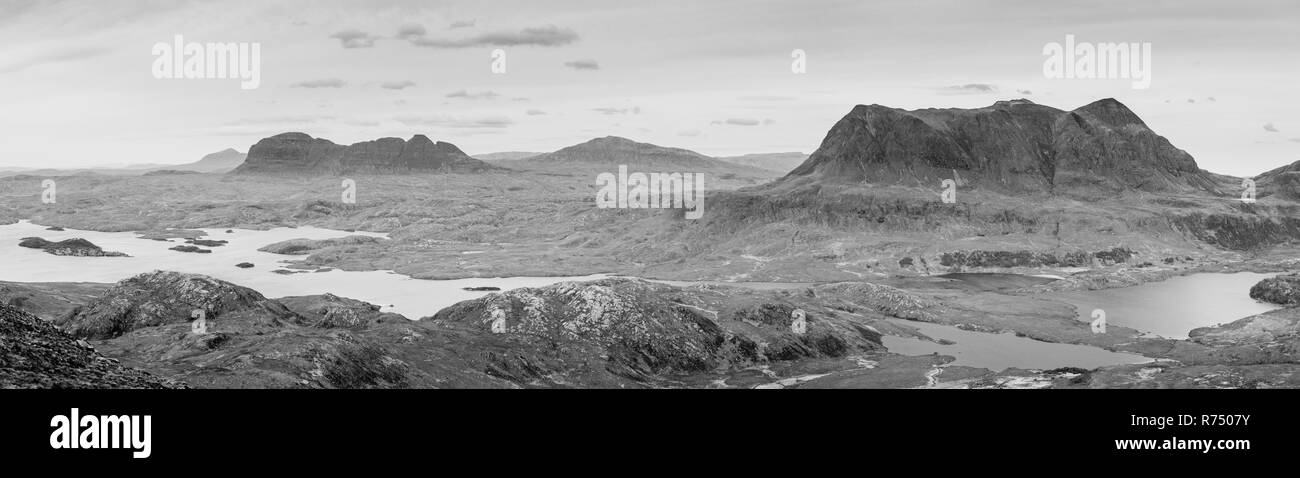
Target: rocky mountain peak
(299, 153)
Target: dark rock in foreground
(244, 265)
(1284, 290)
(35, 354)
(68, 247)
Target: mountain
(614, 151)
(1011, 146)
(299, 153)
(1283, 182)
(778, 162)
(505, 156)
(219, 162)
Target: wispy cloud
(461, 24)
(397, 85)
(635, 110)
(481, 95)
(1270, 128)
(766, 98)
(321, 83)
(738, 122)
(355, 39)
(53, 56)
(534, 112)
(583, 64)
(969, 89)
(410, 31)
(454, 122)
(549, 35)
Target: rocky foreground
(35, 354)
(612, 333)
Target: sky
(77, 87)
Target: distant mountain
(778, 162)
(505, 156)
(218, 162)
(614, 151)
(1013, 146)
(299, 153)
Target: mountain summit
(614, 150)
(1014, 146)
(299, 153)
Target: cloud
(636, 110)
(461, 24)
(1212, 100)
(690, 133)
(482, 95)
(583, 64)
(54, 56)
(549, 35)
(397, 85)
(1294, 140)
(321, 83)
(534, 112)
(768, 121)
(411, 31)
(1189, 100)
(285, 120)
(738, 122)
(453, 122)
(766, 98)
(1024, 92)
(969, 89)
(1270, 128)
(355, 39)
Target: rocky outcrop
(331, 311)
(159, 297)
(1014, 146)
(68, 247)
(301, 154)
(645, 331)
(1008, 259)
(35, 354)
(307, 246)
(1283, 289)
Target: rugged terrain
(301, 154)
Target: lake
(1005, 350)
(1173, 307)
(413, 298)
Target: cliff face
(1011, 146)
(298, 153)
(35, 354)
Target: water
(1005, 350)
(1173, 307)
(413, 298)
